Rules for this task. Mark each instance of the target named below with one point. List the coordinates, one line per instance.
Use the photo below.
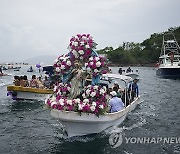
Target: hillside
(144, 53)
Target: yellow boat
(19, 92)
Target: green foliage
(139, 53)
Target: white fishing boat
(28, 93)
(88, 123)
(169, 60)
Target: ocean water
(27, 126)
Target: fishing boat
(28, 93)
(169, 60)
(89, 123)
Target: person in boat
(26, 83)
(133, 89)
(172, 58)
(115, 103)
(16, 80)
(46, 82)
(76, 81)
(21, 80)
(128, 70)
(33, 82)
(120, 71)
(40, 83)
(117, 89)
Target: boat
(30, 69)
(80, 100)
(28, 93)
(88, 123)
(169, 60)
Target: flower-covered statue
(74, 94)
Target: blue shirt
(116, 104)
(134, 88)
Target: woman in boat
(115, 103)
(76, 81)
(33, 82)
(40, 83)
(26, 83)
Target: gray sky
(30, 28)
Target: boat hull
(18, 92)
(77, 125)
(170, 73)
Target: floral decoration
(62, 64)
(81, 46)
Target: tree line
(145, 53)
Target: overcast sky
(29, 28)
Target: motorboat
(89, 123)
(28, 93)
(169, 60)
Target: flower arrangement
(95, 65)
(62, 90)
(62, 64)
(81, 46)
(94, 101)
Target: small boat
(30, 69)
(89, 123)
(3, 74)
(169, 60)
(18, 92)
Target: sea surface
(26, 127)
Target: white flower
(69, 102)
(93, 103)
(87, 46)
(82, 43)
(97, 58)
(101, 106)
(83, 95)
(81, 52)
(80, 107)
(86, 100)
(58, 69)
(93, 94)
(77, 100)
(62, 67)
(91, 58)
(92, 108)
(91, 63)
(102, 91)
(88, 91)
(88, 69)
(86, 64)
(68, 88)
(84, 38)
(98, 64)
(68, 63)
(55, 87)
(96, 70)
(75, 43)
(74, 52)
(59, 92)
(96, 87)
(61, 102)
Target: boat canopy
(118, 76)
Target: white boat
(169, 60)
(18, 92)
(89, 123)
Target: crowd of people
(33, 83)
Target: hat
(115, 82)
(113, 93)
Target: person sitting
(33, 82)
(40, 84)
(16, 80)
(115, 103)
(120, 71)
(46, 82)
(26, 83)
(22, 81)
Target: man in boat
(120, 71)
(1, 70)
(128, 70)
(115, 103)
(133, 89)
